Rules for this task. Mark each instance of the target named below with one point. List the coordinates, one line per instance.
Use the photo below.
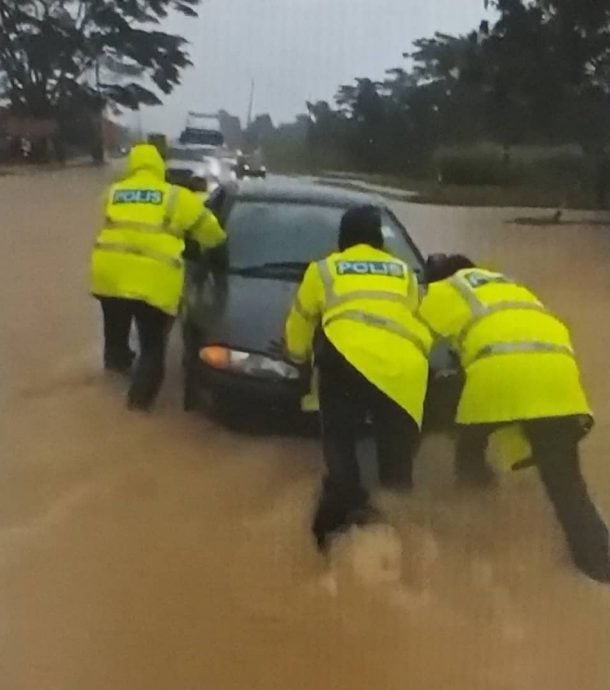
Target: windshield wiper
(269, 266)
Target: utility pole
(250, 105)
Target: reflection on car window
(270, 232)
(388, 232)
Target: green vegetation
(67, 61)
(473, 166)
(534, 83)
(560, 177)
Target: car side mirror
(433, 263)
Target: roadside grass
(530, 195)
(535, 176)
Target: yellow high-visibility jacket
(138, 253)
(365, 299)
(518, 357)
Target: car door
(203, 279)
(194, 261)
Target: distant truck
(202, 129)
(160, 141)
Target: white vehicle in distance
(230, 162)
(186, 161)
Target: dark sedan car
(251, 166)
(236, 299)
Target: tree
(450, 76)
(367, 110)
(554, 57)
(328, 136)
(230, 126)
(538, 74)
(57, 56)
(260, 129)
(287, 148)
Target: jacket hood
(146, 157)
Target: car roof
(304, 191)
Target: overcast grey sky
(296, 50)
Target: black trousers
(346, 399)
(555, 450)
(153, 328)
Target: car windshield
(264, 233)
(190, 154)
(192, 135)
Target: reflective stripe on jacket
(518, 357)
(365, 299)
(138, 253)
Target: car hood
(247, 313)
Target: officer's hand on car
(192, 251)
(277, 348)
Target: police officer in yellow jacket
(519, 367)
(137, 267)
(371, 355)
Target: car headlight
(247, 363)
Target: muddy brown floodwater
(166, 553)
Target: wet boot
(555, 445)
(475, 476)
(589, 546)
(337, 512)
(120, 364)
(597, 569)
(471, 468)
(139, 405)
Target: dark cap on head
(448, 266)
(361, 225)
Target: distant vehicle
(202, 129)
(196, 120)
(187, 161)
(251, 166)
(231, 315)
(202, 137)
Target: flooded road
(164, 552)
